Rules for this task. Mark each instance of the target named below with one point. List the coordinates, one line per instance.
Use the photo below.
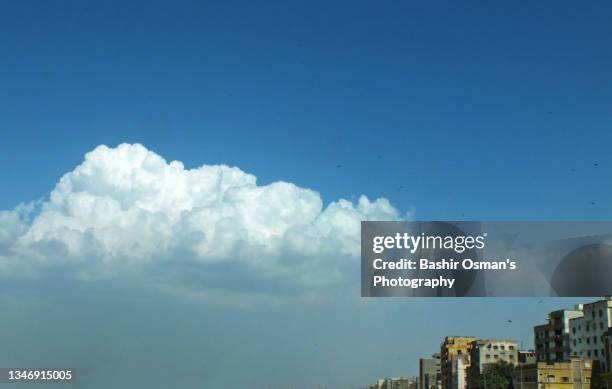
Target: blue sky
(478, 109)
(471, 110)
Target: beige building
(452, 346)
(488, 351)
(573, 374)
(527, 357)
(485, 352)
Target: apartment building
(526, 357)
(429, 372)
(451, 346)
(460, 365)
(485, 352)
(587, 332)
(573, 374)
(552, 340)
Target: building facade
(460, 365)
(485, 352)
(429, 372)
(573, 374)
(552, 340)
(587, 332)
(608, 349)
(396, 383)
(527, 357)
(488, 351)
(451, 346)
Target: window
(573, 330)
(551, 378)
(565, 379)
(600, 313)
(595, 339)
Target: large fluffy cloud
(126, 208)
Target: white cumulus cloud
(126, 209)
